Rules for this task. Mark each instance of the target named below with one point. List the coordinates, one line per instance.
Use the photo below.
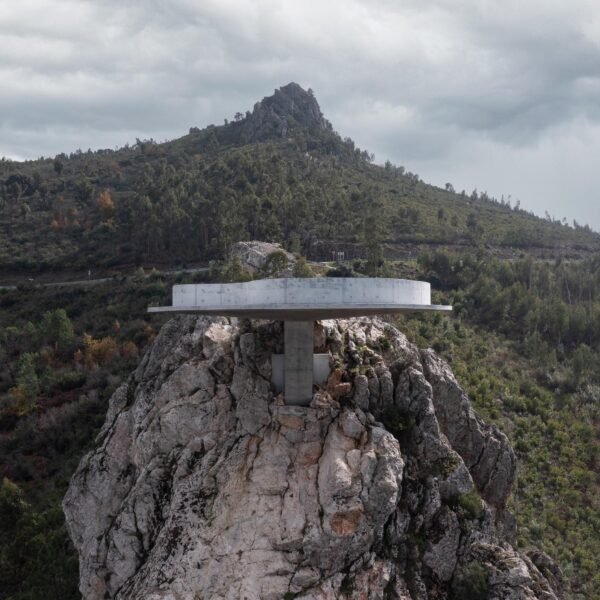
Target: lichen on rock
(203, 484)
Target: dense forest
(279, 173)
(524, 336)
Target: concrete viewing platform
(303, 299)
(300, 302)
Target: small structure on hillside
(300, 302)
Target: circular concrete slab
(295, 299)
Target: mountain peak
(290, 107)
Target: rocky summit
(204, 485)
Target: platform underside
(301, 313)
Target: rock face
(253, 256)
(203, 485)
(289, 107)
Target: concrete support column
(298, 348)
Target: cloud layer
(504, 96)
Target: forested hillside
(524, 337)
(278, 173)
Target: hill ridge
(280, 172)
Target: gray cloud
(498, 96)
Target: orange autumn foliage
(98, 352)
(106, 205)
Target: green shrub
(276, 262)
(471, 583)
(384, 342)
(70, 380)
(340, 271)
(396, 421)
(302, 268)
(471, 504)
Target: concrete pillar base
(298, 348)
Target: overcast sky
(498, 96)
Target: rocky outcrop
(203, 484)
(254, 257)
(484, 450)
(290, 107)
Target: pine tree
(27, 379)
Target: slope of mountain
(279, 173)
